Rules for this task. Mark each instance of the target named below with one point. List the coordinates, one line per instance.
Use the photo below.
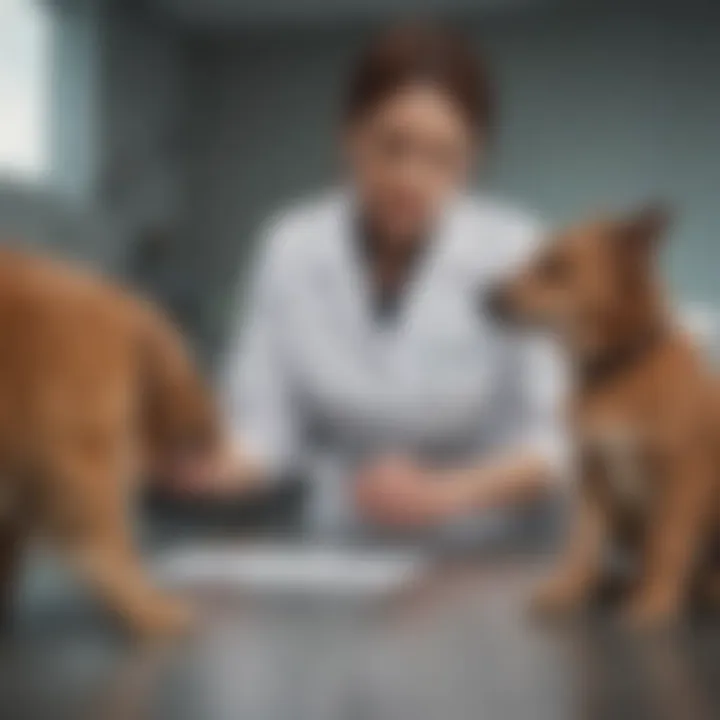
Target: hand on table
(224, 473)
(398, 491)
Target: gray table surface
(456, 645)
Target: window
(24, 70)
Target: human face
(407, 156)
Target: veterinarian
(362, 359)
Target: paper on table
(290, 569)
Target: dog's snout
(495, 303)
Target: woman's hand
(398, 491)
(226, 472)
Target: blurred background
(151, 137)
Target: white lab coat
(315, 384)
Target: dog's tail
(179, 411)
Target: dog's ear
(646, 227)
(636, 239)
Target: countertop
(457, 644)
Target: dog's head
(592, 285)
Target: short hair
(411, 54)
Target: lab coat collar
(356, 270)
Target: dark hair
(410, 54)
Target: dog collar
(623, 358)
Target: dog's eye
(553, 268)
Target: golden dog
(644, 415)
(96, 386)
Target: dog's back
(80, 358)
(95, 384)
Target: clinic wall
(260, 134)
(598, 109)
(115, 118)
(73, 103)
(607, 109)
(141, 114)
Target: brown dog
(644, 414)
(95, 386)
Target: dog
(644, 416)
(96, 388)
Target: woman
(365, 362)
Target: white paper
(289, 569)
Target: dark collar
(622, 358)
(387, 303)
